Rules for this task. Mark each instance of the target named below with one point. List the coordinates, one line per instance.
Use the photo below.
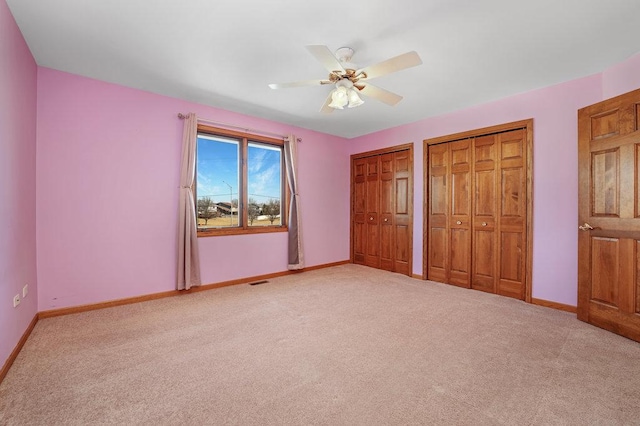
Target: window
(239, 184)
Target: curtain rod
(233, 127)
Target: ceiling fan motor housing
(344, 54)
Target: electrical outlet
(16, 300)
(25, 290)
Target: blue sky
(218, 163)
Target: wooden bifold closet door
(477, 200)
(381, 209)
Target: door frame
(388, 150)
(522, 124)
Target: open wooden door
(609, 215)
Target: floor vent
(259, 282)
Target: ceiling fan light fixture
(354, 99)
(339, 97)
(344, 95)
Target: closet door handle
(484, 223)
(458, 222)
(386, 220)
(371, 218)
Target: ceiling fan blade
(398, 63)
(325, 57)
(302, 83)
(381, 95)
(325, 107)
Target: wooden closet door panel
(513, 210)
(372, 205)
(401, 219)
(485, 242)
(359, 210)
(438, 239)
(460, 213)
(387, 198)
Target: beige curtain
(296, 255)
(188, 258)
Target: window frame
(243, 198)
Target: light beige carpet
(343, 345)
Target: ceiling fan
(350, 81)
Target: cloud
(257, 159)
(264, 169)
(266, 182)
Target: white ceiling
(225, 53)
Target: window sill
(241, 231)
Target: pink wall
(555, 172)
(17, 183)
(107, 190)
(621, 78)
